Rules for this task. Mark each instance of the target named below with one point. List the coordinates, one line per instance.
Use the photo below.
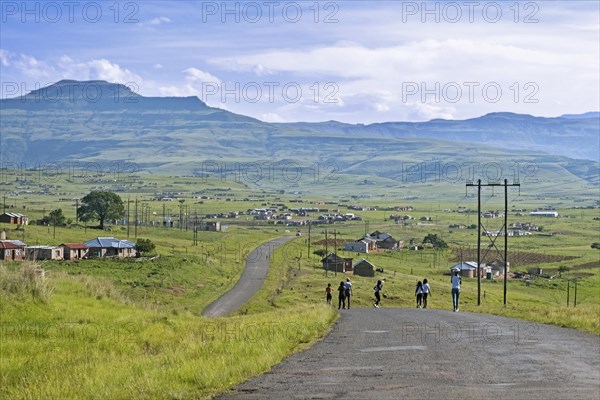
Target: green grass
(132, 328)
(86, 344)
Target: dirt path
(435, 354)
(254, 275)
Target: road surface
(254, 275)
(435, 354)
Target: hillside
(96, 121)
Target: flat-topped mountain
(74, 121)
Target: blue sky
(351, 61)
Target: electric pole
(493, 244)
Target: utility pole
(308, 240)
(335, 250)
(135, 221)
(326, 254)
(76, 209)
(479, 226)
(128, 201)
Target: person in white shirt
(455, 289)
(426, 291)
(348, 285)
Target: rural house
(43, 253)
(364, 268)
(111, 247)
(14, 218)
(12, 250)
(75, 251)
(468, 269)
(364, 245)
(333, 262)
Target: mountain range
(98, 121)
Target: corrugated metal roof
(9, 244)
(75, 245)
(110, 242)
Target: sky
(286, 61)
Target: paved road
(435, 354)
(254, 275)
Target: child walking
(377, 288)
(419, 293)
(328, 291)
(426, 292)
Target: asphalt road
(435, 354)
(254, 275)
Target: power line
(479, 185)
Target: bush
(145, 246)
(30, 279)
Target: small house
(333, 262)
(111, 247)
(468, 269)
(498, 267)
(75, 251)
(364, 268)
(44, 253)
(12, 250)
(14, 219)
(359, 246)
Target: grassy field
(132, 328)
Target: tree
(101, 206)
(56, 217)
(319, 252)
(436, 242)
(561, 269)
(145, 246)
(596, 245)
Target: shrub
(29, 279)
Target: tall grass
(89, 342)
(27, 281)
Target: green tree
(596, 245)
(145, 246)
(101, 206)
(56, 217)
(436, 242)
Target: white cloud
(97, 69)
(4, 58)
(197, 76)
(271, 117)
(159, 20)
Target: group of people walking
(344, 293)
(422, 292)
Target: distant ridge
(591, 114)
(97, 121)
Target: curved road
(254, 275)
(435, 354)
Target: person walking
(419, 293)
(456, 281)
(426, 292)
(348, 286)
(377, 288)
(328, 291)
(342, 296)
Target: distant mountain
(97, 121)
(575, 137)
(592, 114)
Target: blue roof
(110, 242)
